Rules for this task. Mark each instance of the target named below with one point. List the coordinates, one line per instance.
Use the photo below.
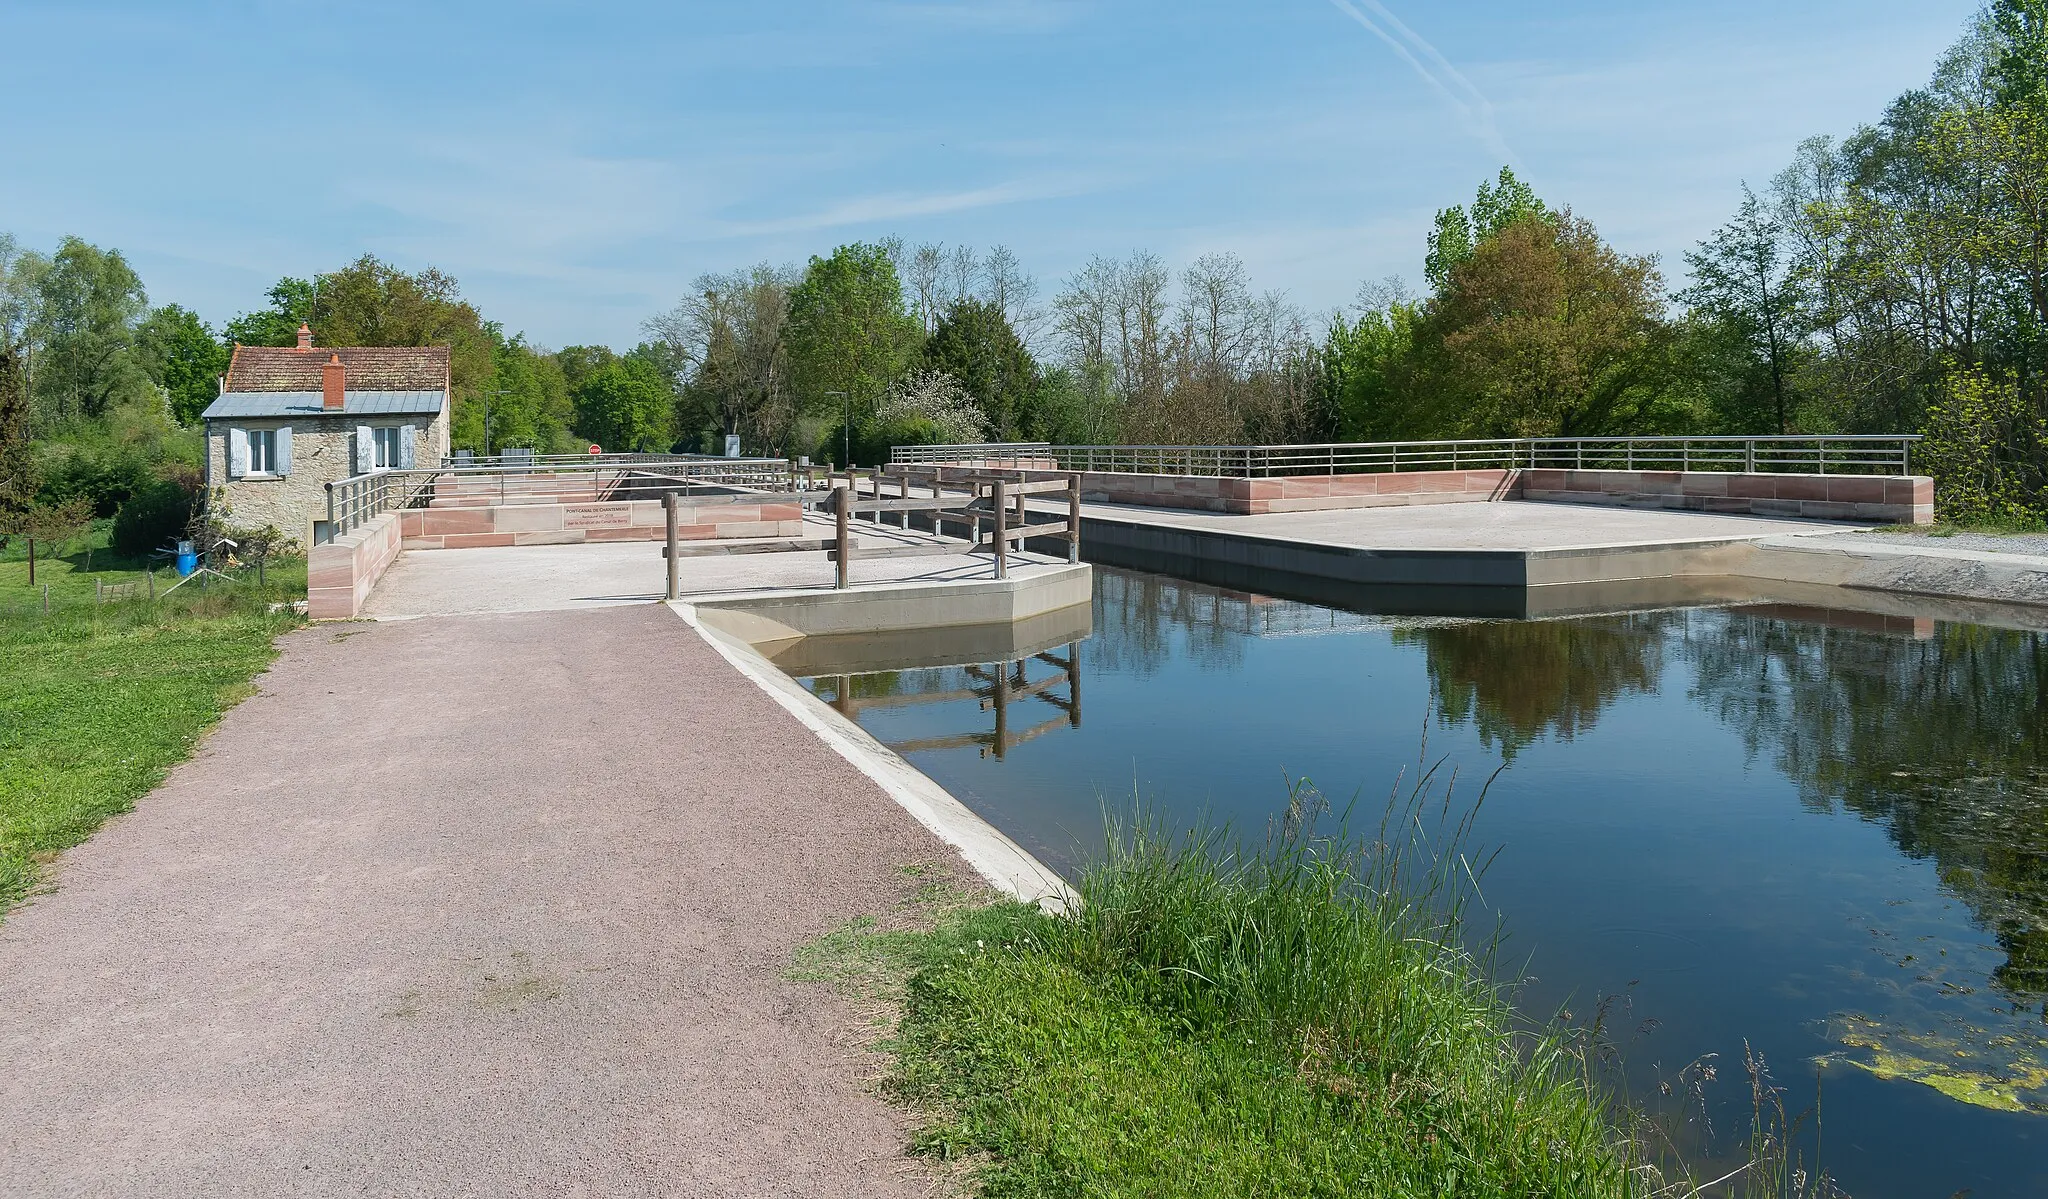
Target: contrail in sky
(1447, 80)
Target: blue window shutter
(405, 450)
(283, 454)
(238, 453)
(366, 450)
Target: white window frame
(263, 453)
(388, 442)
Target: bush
(108, 476)
(156, 514)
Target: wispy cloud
(1008, 16)
(1436, 70)
(896, 206)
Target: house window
(387, 447)
(263, 451)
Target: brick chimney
(305, 337)
(333, 383)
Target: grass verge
(99, 700)
(1303, 1020)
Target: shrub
(107, 476)
(156, 514)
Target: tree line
(1895, 280)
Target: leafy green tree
(1988, 452)
(372, 303)
(578, 363)
(18, 473)
(1743, 279)
(2020, 65)
(369, 302)
(848, 330)
(1545, 331)
(1367, 364)
(184, 358)
(975, 345)
(730, 339)
(1457, 234)
(291, 305)
(626, 407)
(90, 301)
(524, 402)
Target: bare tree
(730, 334)
(963, 273)
(925, 277)
(1007, 285)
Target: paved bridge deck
(1501, 525)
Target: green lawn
(99, 700)
(1297, 1022)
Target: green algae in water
(2002, 1073)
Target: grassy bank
(1299, 1021)
(98, 700)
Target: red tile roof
(368, 368)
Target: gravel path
(473, 906)
(2035, 544)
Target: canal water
(1819, 838)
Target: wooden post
(46, 599)
(842, 504)
(1002, 538)
(671, 517)
(903, 492)
(1074, 517)
(151, 572)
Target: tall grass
(1302, 1015)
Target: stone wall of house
(323, 452)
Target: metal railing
(519, 459)
(1852, 454)
(592, 478)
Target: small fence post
(1002, 538)
(151, 573)
(1074, 517)
(1749, 456)
(842, 505)
(46, 600)
(671, 517)
(99, 592)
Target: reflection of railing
(1001, 685)
(1859, 454)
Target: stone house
(290, 420)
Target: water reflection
(1516, 682)
(1940, 740)
(1005, 690)
(1816, 832)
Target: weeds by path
(1301, 1021)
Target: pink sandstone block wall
(576, 524)
(341, 573)
(1871, 499)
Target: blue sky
(575, 166)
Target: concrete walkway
(473, 906)
(531, 578)
(1503, 525)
